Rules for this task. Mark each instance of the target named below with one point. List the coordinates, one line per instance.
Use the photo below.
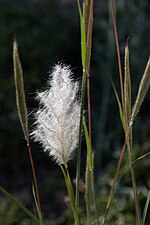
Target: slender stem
(89, 34)
(118, 52)
(94, 197)
(88, 61)
(117, 172)
(140, 158)
(35, 181)
(72, 198)
(133, 185)
(80, 138)
(89, 41)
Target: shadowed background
(48, 32)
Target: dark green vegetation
(48, 32)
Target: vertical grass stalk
(127, 115)
(116, 175)
(35, 184)
(118, 51)
(70, 193)
(88, 22)
(83, 56)
(22, 112)
(89, 180)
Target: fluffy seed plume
(58, 116)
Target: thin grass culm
(57, 122)
(22, 112)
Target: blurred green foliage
(48, 32)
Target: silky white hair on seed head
(58, 117)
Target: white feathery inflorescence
(58, 117)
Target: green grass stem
(146, 208)
(118, 50)
(83, 55)
(119, 106)
(37, 206)
(22, 112)
(70, 193)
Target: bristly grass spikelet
(20, 93)
(22, 112)
(143, 88)
(58, 117)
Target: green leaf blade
(37, 206)
(70, 193)
(89, 156)
(83, 37)
(119, 106)
(146, 208)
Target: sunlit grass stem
(66, 174)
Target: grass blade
(89, 157)
(137, 202)
(20, 94)
(83, 55)
(37, 207)
(141, 157)
(88, 180)
(86, 10)
(83, 37)
(19, 205)
(70, 193)
(88, 194)
(118, 50)
(146, 208)
(119, 105)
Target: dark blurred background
(48, 32)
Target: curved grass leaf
(70, 193)
(119, 105)
(137, 202)
(146, 208)
(37, 207)
(141, 157)
(20, 205)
